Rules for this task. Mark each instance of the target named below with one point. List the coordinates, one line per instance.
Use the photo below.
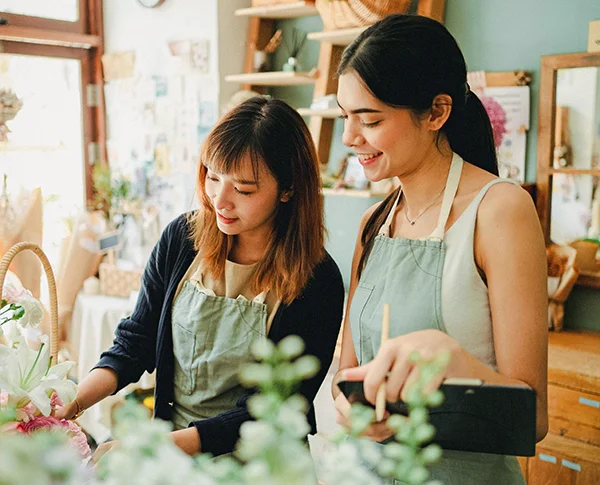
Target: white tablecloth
(95, 318)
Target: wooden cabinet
(570, 454)
(564, 461)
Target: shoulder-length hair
(271, 134)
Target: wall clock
(151, 3)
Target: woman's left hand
(394, 358)
(103, 449)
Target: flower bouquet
(32, 384)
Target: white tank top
(465, 300)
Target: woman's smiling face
(244, 202)
(387, 140)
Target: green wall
(495, 35)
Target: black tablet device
(475, 416)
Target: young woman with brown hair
(249, 264)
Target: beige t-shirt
(234, 282)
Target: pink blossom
(12, 294)
(79, 440)
(497, 117)
(47, 423)
(3, 398)
(10, 426)
(27, 413)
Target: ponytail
(470, 134)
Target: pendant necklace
(412, 223)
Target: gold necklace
(412, 223)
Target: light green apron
(212, 337)
(407, 274)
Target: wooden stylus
(380, 399)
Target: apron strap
(384, 230)
(449, 193)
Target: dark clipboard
(475, 416)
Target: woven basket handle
(6, 260)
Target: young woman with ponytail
(457, 252)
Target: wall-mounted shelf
(348, 192)
(276, 78)
(280, 11)
(337, 37)
(577, 171)
(323, 113)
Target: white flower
(12, 294)
(33, 311)
(26, 377)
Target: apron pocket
(360, 334)
(184, 347)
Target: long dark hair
(406, 61)
(273, 135)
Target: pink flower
(12, 294)
(50, 423)
(3, 398)
(497, 117)
(27, 413)
(78, 439)
(10, 426)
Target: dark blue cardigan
(143, 341)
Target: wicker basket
(345, 14)
(4, 264)
(119, 282)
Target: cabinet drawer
(574, 414)
(562, 461)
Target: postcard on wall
(508, 107)
(118, 65)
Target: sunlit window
(52, 9)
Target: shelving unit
(337, 37)
(280, 11)
(275, 78)
(261, 28)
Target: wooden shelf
(576, 171)
(323, 113)
(280, 11)
(48, 37)
(348, 192)
(276, 78)
(337, 37)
